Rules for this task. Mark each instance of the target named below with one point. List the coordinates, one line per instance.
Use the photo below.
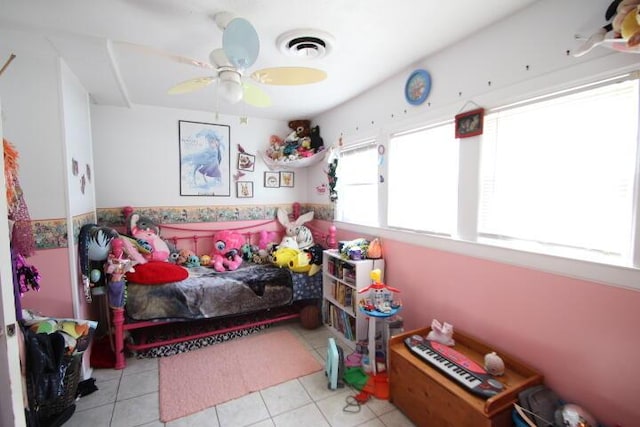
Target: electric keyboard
(455, 365)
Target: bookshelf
(341, 281)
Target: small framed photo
(246, 162)
(469, 123)
(271, 179)
(286, 179)
(244, 189)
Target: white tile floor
(129, 397)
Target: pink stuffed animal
(160, 250)
(226, 250)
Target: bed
(251, 296)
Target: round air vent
(307, 44)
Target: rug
(193, 381)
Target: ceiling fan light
(230, 86)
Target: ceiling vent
(306, 44)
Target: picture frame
(244, 189)
(246, 162)
(469, 123)
(272, 179)
(205, 161)
(287, 179)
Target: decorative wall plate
(417, 87)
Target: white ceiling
(374, 39)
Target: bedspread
(207, 293)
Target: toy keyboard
(455, 365)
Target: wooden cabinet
(341, 281)
(431, 398)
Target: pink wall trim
(580, 335)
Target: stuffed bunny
(302, 234)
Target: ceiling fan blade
(288, 76)
(240, 43)
(192, 85)
(255, 96)
(164, 54)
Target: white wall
(136, 155)
(77, 132)
(32, 122)
(537, 38)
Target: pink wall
(54, 298)
(581, 336)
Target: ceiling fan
(239, 51)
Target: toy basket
(52, 407)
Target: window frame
(467, 242)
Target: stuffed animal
(159, 249)
(301, 128)
(296, 229)
(317, 143)
(226, 250)
(283, 256)
(623, 22)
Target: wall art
(204, 159)
(469, 123)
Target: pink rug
(191, 382)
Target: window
(357, 184)
(560, 173)
(423, 180)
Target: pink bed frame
(198, 238)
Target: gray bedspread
(207, 293)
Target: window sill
(612, 275)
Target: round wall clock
(418, 87)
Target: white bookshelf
(341, 281)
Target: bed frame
(183, 236)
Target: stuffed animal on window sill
(225, 255)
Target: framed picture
(205, 165)
(469, 123)
(244, 189)
(271, 179)
(246, 162)
(286, 179)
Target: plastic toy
(380, 297)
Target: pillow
(157, 273)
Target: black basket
(53, 407)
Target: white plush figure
(296, 229)
(442, 333)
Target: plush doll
(296, 229)
(276, 146)
(317, 143)
(226, 250)
(623, 22)
(159, 249)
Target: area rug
(193, 381)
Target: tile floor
(129, 397)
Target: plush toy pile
(303, 141)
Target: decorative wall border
(52, 233)
(114, 217)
